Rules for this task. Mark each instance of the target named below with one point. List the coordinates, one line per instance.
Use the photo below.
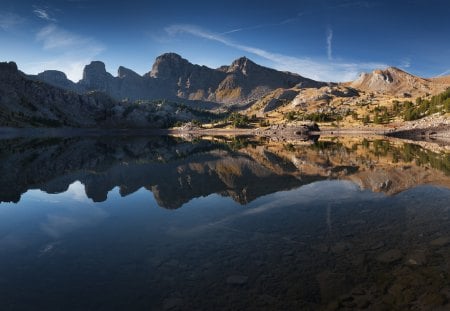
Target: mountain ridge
(175, 78)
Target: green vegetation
(238, 120)
(424, 107)
(315, 116)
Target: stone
(390, 256)
(416, 258)
(441, 241)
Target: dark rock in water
(441, 241)
(390, 256)
(237, 279)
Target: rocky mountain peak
(94, 69)
(168, 65)
(95, 76)
(8, 72)
(8, 68)
(392, 81)
(123, 72)
(242, 64)
(55, 75)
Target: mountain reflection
(176, 170)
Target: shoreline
(438, 133)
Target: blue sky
(326, 40)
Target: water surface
(158, 223)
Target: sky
(326, 40)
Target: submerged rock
(441, 241)
(390, 256)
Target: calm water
(138, 223)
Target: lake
(217, 223)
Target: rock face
(240, 82)
(58, 79)
(25, 102)
(173, 77)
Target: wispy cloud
(54, 37)
(329, 43)
(311, 68)
(405, 63)
(9, 20)
(258, 26)
(71, 51)
(447, 72)
(43, 14)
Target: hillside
(380, 97)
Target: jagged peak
(54, 74)
(166, 63)
(171, 57)
(95, 68)
(242, 62)
(123, 72)
(8, 66)
(97, 65)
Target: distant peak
(123, 72)
(97, 64)
(168, 64)
(390, 69)
(242, 61)
(9, 67)
(242, 64)
(96, 67)
(55, 74)
(170, 57)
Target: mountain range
(173, 77)
(177, 90)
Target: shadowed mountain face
(177, 171)
(173, 77)
(25, 102)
